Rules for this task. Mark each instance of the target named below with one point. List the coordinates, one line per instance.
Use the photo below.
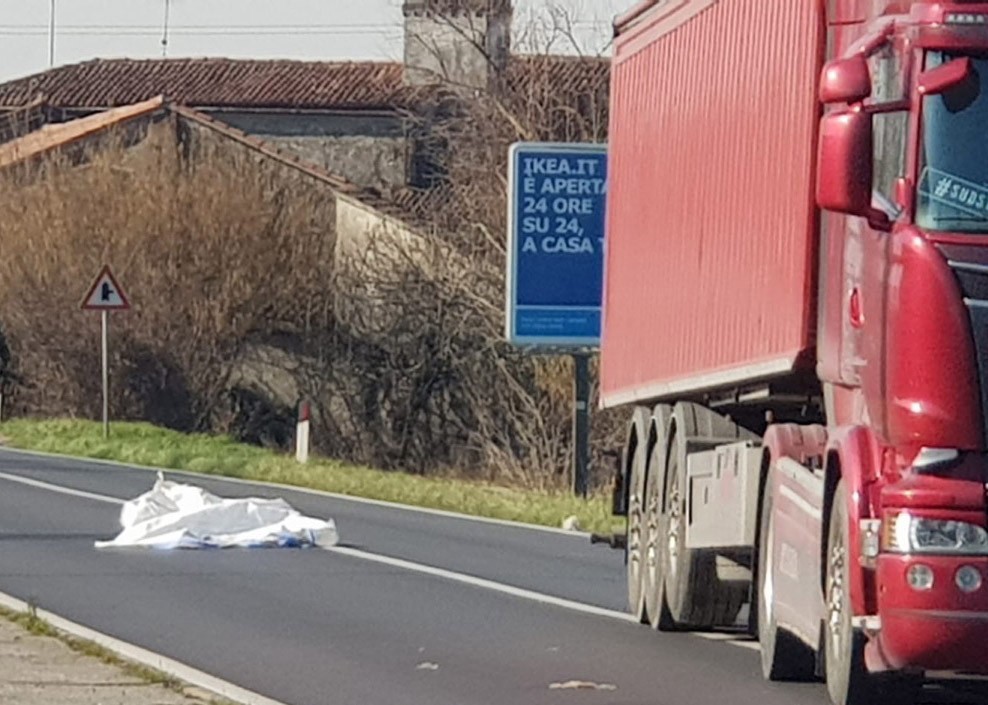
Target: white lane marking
(58, 488)
(483, 583)
(474, 581)
(751, 645)
(171, 667)
(306, 490)
(384, 560)
(717, 636)
(730, 638)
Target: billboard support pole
(581, 423)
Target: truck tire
(653, 585)
(694, 596)
(637, 475)
(848, 681)
(652, 572)
(784, 656)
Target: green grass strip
(144, 444)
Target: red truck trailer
(796, 316)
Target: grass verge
(31, 623)
(144, 444)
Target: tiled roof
(572, 74)
(217, 83)
(107, 83)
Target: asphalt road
(418, 608)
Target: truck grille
(973, 280)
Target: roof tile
(227, 83)
(107, 83)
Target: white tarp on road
(173, 515)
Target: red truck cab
(908, 170)
(796, 309)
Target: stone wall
(371, 162)
(369, 150)
(373, 253)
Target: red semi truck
(796, 316)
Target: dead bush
(244, 305)
(210, 250)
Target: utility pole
(51, 35)
(164, 36)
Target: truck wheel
(784, 657)
(636, 525)
(652, 574)
(848, 681)
(695, 598)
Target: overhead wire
(107, 30)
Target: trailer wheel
(848, 680)
(784, 657)
(653, 573)
(695, 598)
(636, 525)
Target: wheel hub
(652, 540)
(672, 534)
(634, 534)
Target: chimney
(460, 43)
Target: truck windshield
(953, 183)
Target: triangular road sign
(106, 294)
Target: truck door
(865, 251)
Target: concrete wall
(369, 150)
(379, 259)
(373, 254)
(372, 162)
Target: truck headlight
(910, 534)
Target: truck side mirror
(845, 163)
(845, 80)
(945, 76)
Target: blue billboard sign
(557, 195)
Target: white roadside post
(302, 433)
(105, 295)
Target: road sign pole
(105, 295)
(106, 373)
(581, 423)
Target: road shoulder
(39, 666)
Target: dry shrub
(520, 404)
(211, 251)
(448, 395)
(241, 307)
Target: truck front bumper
(937, 628)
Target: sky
(291, 29)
